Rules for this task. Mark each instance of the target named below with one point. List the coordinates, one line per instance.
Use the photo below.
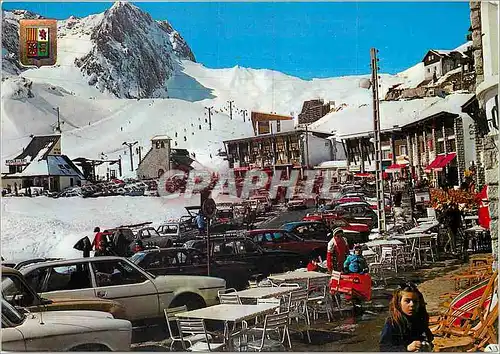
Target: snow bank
(47, 227)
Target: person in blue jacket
(200, 223)
(356, 263)
(407, 327)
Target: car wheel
(90, 348)
(192, 301)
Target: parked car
(355, 232)
(226, 219)
(241, 248)
(18, 264)
(190, 261)
(283, 240)
(149, 237)
(63, 331)
(357, 213)
(264, 200)
(178, 232)
(298, 202)
(17, 291)
(308, 229)
(143, 294)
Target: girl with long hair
(407, 327)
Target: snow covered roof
(54, 165)
(39, 146)
(359, 120)
(333, 164)
(459, 50)
(161, 137)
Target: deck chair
(466, 308)
(477, 338)
(319, 299)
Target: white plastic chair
(197, 327)
(190, 338)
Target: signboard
(263, 128)
(209, 208)
(16, 162)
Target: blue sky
(322, 39)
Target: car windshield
(170, 229)
(11, 314)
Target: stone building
(483, 108)
(157, 160)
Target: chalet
(265, 123)
(41, 164)
(293, 149)
(439, 62)
(435, 142)
(162, 157)
(313, 110)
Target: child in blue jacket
(356, 263)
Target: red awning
(359, 174)
(434, 163)
(237, 169)
(445, 161)
(395, 167)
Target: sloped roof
(53, 165)
(359, 120)
(38, 143)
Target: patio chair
(229, 296)
(425, 246)
(387, 262)
(297, 308)
(274, 323)
(319, 298)
(169, 316)
(197, 327)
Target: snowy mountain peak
(125, 42)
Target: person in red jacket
(99, 243)
(337, 251)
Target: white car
(144, 295)
(63, 331)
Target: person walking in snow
(99, 243)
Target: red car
(354, 232)
(283, 240)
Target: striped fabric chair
(465, 308)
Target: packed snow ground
(47, 227)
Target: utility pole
(58, 128)
(378, 144)
(244, 112)
(307, 146)
(209, 117)
(130, 149)
(231, 109)
(138, 151)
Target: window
(68, 277)
(403, 150)
(279, 237)
(386, 154)
(452, 145)
(225, 248)
(16, 292)
(278, 126)
(36, 278)
(111, 273)
(11, 315)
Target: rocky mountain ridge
(122, 51)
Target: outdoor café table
(229, 313)
(378, 243)
(471, 217)
(427, 219)
(297, 277)
(479, 236)
(252, 294)
(423, 228)
(413, 239)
